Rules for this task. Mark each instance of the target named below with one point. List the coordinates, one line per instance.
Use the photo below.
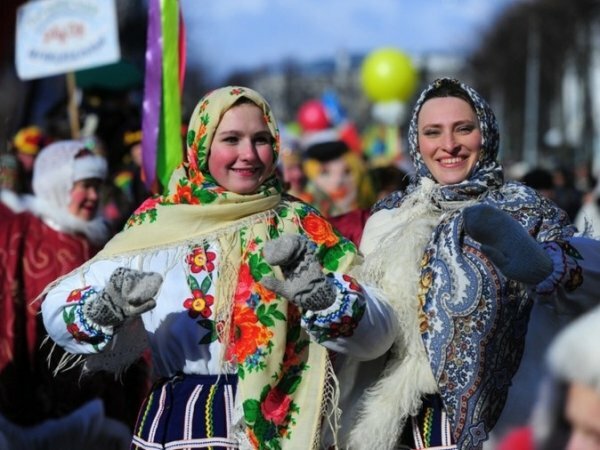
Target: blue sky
(226, 35)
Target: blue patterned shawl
(473, 319)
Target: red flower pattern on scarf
(320, 230)
(276, 406)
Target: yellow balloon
(388, 74)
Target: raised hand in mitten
(509, 246)
(128, 293)
(304, 283)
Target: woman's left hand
(304, 282)
(504, 240)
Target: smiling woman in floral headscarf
(238, 366)
(462, 320)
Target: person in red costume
(60, 229)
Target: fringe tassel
(330, 410)
(66, 362)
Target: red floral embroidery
(200, 260)
(248, 333)
(78, 335)
(147, 205)
(204, 105)
(320, 230)
(184, 195)
(344, 328)
(291, 357)
(252, 246)
(353, 283)
(266, 118)
(199, 304)
(266, 295)
(75, 294)
(276, 406)
(252, 438)
(244, 286)
(196, 177)
(201, 130)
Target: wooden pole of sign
(72, 109)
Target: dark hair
(326, 151)
(244, 101)
(448, 89)
(83, 152)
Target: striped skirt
(187, 412)
(430, 429)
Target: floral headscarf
(191, 183)
(199, 186)
(283, 375)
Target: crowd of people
(284, 292)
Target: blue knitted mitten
(509, 246)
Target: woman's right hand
(129, 293)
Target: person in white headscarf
(61, 228)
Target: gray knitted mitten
(504, 240)
(128, 293)
(304, 283)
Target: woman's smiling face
(84, 198)
(241, 154)
(449, 138)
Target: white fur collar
(96, 230)
(15, 202)
(393, 243)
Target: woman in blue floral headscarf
(237, 365)
(462, 320)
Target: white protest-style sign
(60, 36)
